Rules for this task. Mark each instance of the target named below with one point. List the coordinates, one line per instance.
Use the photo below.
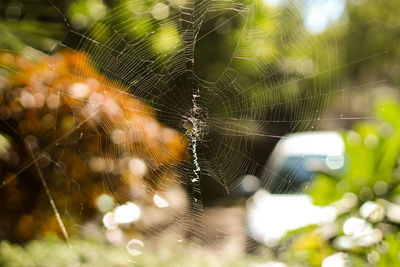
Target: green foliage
(372, 154)
(389, 256)
(378, 35)
(322, 190)
(54, 252)
(366, 193)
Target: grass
(52, 251)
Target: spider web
(273, 83)
(227, 113)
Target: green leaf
(323, 190)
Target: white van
(283, 206)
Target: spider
(188, 125)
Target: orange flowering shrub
(84, 133)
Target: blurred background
(199, 133)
